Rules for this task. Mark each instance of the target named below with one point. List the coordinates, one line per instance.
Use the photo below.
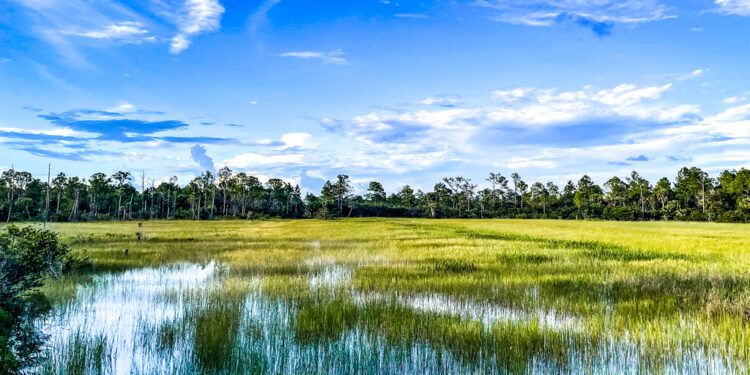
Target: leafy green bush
(27, 257)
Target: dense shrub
(27, 257)
(620, 213)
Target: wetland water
(200, 318)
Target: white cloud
(333, 57)
(196, 16)
(514, 94)
(694, 74)
(178, 44)
(391, 158)
(253, 160)
(525, 162)
(59, 23)
(295, 139)
(627, 95)
(524, 108)
(439, 101)
(524, 128)
(732, 114)
(736, 7)
(122, 107)
(120, 30)
(549, 12)
(64, 132)
(316, 174)
(735, 100)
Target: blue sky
(405, 92)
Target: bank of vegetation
(693, 195)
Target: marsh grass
(452, 266)
(81, 355)
(216, 329)
(401, 295)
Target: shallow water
(169, 320)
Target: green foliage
(27, 257)
(693, 195)
(8, 361)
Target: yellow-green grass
(661, 287)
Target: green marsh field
(402, 296)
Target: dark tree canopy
(691, 195)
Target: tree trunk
(168, 202)
(643, 205)
(74, 209)
(57, 207)
(119, 205)
(94, 210)
(10, 203)
(244, 203)
(213, 199)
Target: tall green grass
(657, 297)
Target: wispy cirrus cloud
(195, 17)
(60, 22)
(48, 136)
(260, 16)
(67, 25)
(735, 7)
(128, 31)
(332, 57)
(598, 16)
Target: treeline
(692, 195)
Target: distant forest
(692, 195)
